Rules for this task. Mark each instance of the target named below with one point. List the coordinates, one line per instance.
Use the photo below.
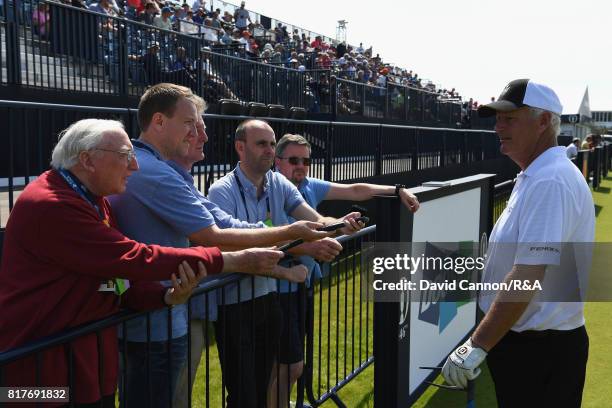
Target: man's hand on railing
(325, 250)
(296, 273)
(352, 225)
(307, 230)
(253, 261)
(186, 282)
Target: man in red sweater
(65, 264)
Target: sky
(476, 46)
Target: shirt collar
(180, 170)
(248, 185)
(302, 186)
(149, 148)
(549, 155)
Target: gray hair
(288, 139)
(555, 120)
(81, 136)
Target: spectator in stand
(181, 13)
(150, 11)
(226, 38)
(242, 17)
(164, 22)
(587, 143)
(210, 34)
(382, 78)
(316, 43)
(198, 4)
(188, 25)
(40, 20)
(253, 47)
(243, 38)
(104, 7)
(341, 49)
(228, 18)
(215, 21)
(152, 64)
(199, 16)
(360, 49)
(279, 34)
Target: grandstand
(70, 51)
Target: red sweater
(56, 253)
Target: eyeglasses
(127, 153)
(297, 160)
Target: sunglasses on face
(297, 160)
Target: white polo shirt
(551, 204)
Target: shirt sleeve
(319, 189)
(220, 194)
(72, 235)
(541, 224)
(173, 201)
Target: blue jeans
(165, 367)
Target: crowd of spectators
(277, 46)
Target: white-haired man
(62, 250)
(535, 339)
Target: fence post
(13, 57)
(363, 99)
(327, 173)
(387, 93)
(333, 90)
(378, 157)
(199, 87)
(443, 149)
(415, 154)
(123, 62)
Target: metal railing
(341, 151)
(501, 195)
(338, 322)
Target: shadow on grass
(598, 209)
(605, 190)
(440, 398)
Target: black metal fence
(501, 195)
(338, 331)
(341, 151)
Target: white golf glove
(462, 364)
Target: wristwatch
(398, 187)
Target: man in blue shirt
(203, 307)
(293, 161)
(247, 328)
(159, 207)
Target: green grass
(359, 393)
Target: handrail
(360, 83)
(10, 103)
(113, 320)
(248, 61)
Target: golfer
(536, 345)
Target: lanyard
(81, 190)
(148, 148)
(241, 189)
(117, 285)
